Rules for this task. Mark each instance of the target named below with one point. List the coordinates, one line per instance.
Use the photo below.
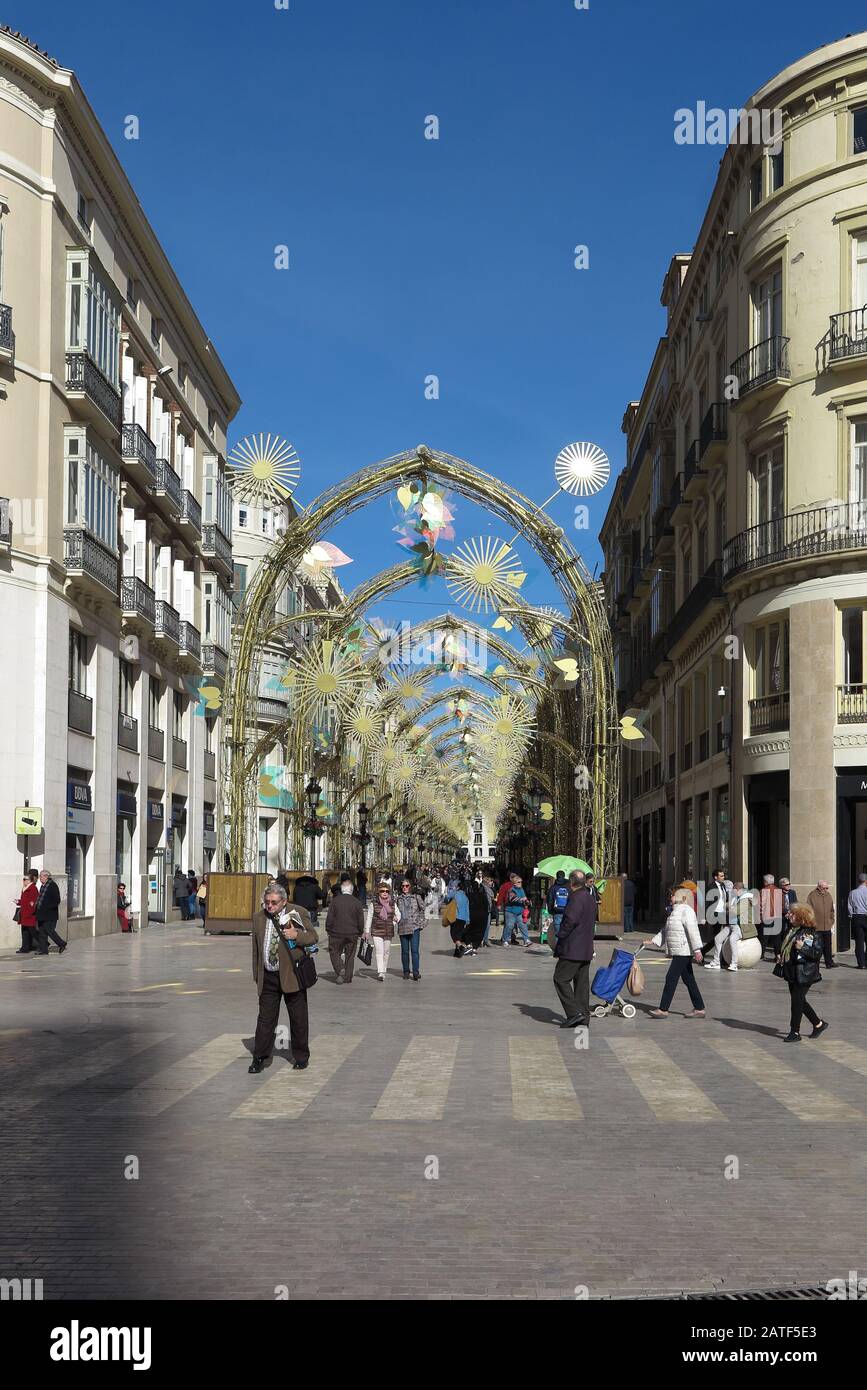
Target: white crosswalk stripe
(799, 1095)
(419, 1086)
(166, 1087)
(670, 1093)
(287, 1093)
(541, 1087)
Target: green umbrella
(562, 861)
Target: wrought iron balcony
(80, 712)
(676, 498)
(156, 744)
(690, 465)
(852, 704)
(269, 708)
(139, 453)
(191, 513)
(846, 339)
(86, 383)
(714, 427)
(708, 588)
(767, 362)
(127, 732)
(88, 558)
(215, 661)
(179, 753)
(5, 522)
(167, 485)
(210, 764)
(217, 547)
(167, 622)
(797, 536)
(7, 337)
(189, 640)
(136, 599)
(769, 714)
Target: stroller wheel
(600, 1011)
(628, 1010)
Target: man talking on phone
(280, 935)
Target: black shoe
(820, 1028)
(45, 953)
(792, 1037)
(416, 977)
(832, 965)
(257, 1064)
(300, 1066)
(25, 951)
(406, 974)
(62, 948)
(573, 1022)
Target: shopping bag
(449, 913)
(635, 981)
(365, 952)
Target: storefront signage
(852, 784)
(126, 805)
(209, 840)
(155, 810)
(78, 822)
(208, 820)
(78, 795)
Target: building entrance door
(851, 844)
(157, 886)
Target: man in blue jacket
(574, 952)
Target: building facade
(736, 540)
(115, 557)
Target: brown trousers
(269, 1012)
(338, 946)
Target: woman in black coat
(798, 964)
(475, 928)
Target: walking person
(181, 894)
(720, 913)
(123, 906)
(574, 952)
(822, 903)
(857, 904)
(47, 913)
(192, 889)
(628, 904)
(490, 891)
(558, 897)
(26, 913)
(770, 915)
(514, 913)
(280, 934)
(411, 907)
(455, 894)
(798, 964)
(344, 924)
(790, 899)
(307, 894)
(681, 940)
(202, 898)
(477, 905)
(383, 916)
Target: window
(178, 712)
(721, 524)
(182, 376)
(77, 661)
(775, 171)
(756, 184)
(156, 331)
(243, 518)
(768, 491)
(216, 612)
(76, 859)
(239, 587)
(701, 551)
(132, 294)
(155, 697)
(212, 422)
(853, 646)
(858, 466)
(126, 687)
(687, 569)
(771, 659)
(720, 262)
(686, 728)
(92, 314)
(859, 130)
(687, 845)
(92, 487)
(83, 212)
(210, 724)
(263, 845)
(768, 307)
(701, 717)
(217, 500)
(723, 831)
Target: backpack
(561, 897)
(449, 913)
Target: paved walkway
(447, 1139)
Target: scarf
(277, 919)
(386, 909)
(789, 942)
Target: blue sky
(411, 257)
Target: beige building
(115, 544)
(736, 539)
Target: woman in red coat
(27, 913)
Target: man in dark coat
(574, 952)
(344, 925)
(47, 910)
(274, 928)
(307, 893)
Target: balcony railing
(708, 587)
(767, 361)
(7, 337)
(797, 536)
(675, 497)
(82, 374)
(136, 448)
(167, 482)
(690, 463)
(215, 544)
(136, 599)
(167, 622)
(852, 704)
(190, 640)
(210, 764)
(269, 708)
(85, 556)
(80, 712)
(127, 732)
(156, 744)
(714, 426)
(5, 522)
(179, 753)
(191, 514)
(846, 338)
(769, 713)
(215, 662)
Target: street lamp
(313, 826)
(362, 837)
(391, 839)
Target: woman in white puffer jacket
(681, 939)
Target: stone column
(812, 799)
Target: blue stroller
(610, 980)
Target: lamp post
(313, 826)
(363, 837)
(391, 839)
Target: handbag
(16, 915)
(305, 968)
(635, 979)
(449, 913)
(365, 952)
(778, 971)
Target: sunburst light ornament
(509, 720)
(264, 469)
(582, 469)
(328, 676)
(482, 573)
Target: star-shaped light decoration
(408, 684)
(582, 469)
(327, 676)
(508, 720)
(483, 573)
(365, 723)
(263, 470)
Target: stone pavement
(447, 1140)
